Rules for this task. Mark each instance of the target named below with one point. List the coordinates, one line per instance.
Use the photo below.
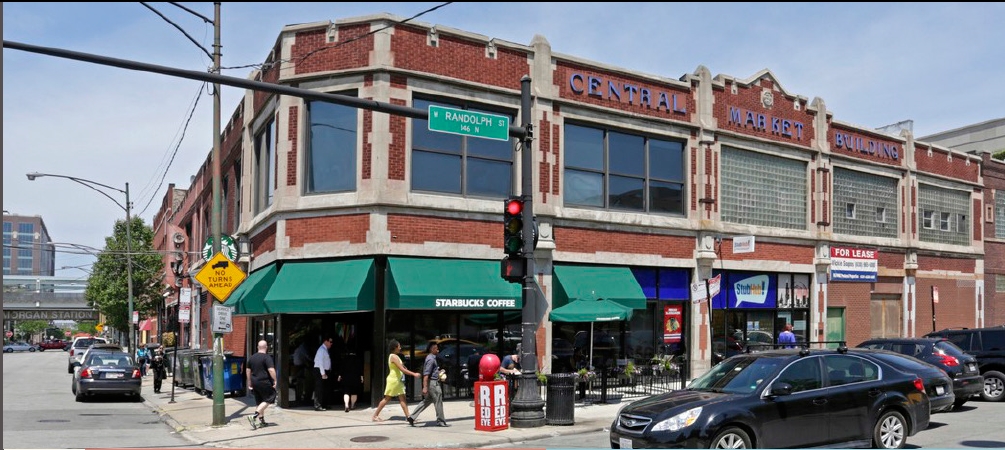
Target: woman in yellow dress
(395, 386)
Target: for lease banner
(854, 264)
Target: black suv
(988, 346)
(961, 367)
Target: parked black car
(988, 346)
(107, 372)
(780, 399)
(938, 385)
(961, 367)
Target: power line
(311, 53)
(179, 29)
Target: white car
(77, 349)
(19, 347)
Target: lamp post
(130, 338)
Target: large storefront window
(752, 309)
(869, 203)
(462, 338)
(945, 215)
(761, 189)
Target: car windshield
(738, 375)
(110, 359)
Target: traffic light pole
(528, 406)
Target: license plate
(972, 366)
(113, 375)
(625, 442)
(940, 390)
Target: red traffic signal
(513, 226)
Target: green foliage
(31, 327)
(999, 155)
(89, 327)
(108, 286)
(542, 378)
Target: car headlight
(678, 422)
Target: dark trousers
(320, 389)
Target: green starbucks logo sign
(227, 247)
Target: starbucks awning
(322, 286)
(249, 297)
(593, 282)
(465, 284)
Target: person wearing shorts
(261, 373)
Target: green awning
(248, 298)
(591, 310)
(456, 284)
(593, 282)
(323, 286)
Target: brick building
(371, 227)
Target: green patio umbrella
(591, 310)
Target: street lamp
(130, 338)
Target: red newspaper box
(491, 405)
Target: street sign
(220, 276)
(136, 317)
(222, 319)
(715, 285)
(227, 246)
(935, 294)
(468, 123)
(99, 327)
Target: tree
(108, 286)
(29, 328)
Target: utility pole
(528, 406)
(219, 413)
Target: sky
(940, 65)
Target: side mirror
(781, 388)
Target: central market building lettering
(760, 122)
(636, 95)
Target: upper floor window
(455, 164)
(938, 206)
(265, 165)
(331, 147)
(614, 170)
(766, 190)
(999, 214)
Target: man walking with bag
(432, 392)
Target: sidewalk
(192, 416)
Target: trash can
(561, 396)
(183, 375)
(233, 374)
(194, 372)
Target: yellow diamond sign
(220, 276)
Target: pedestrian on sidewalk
(261, 373)
(159, 369)
(395, 383)
(787, 339)
(322, 366)
(432, 393)
(141, 358)
(303, 370)
(350, 378)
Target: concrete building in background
(27, 248)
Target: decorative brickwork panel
(407, 229)
(457, 58)
(291, 156)
(544, 168)
(312, 230)
(796, 254)
(367, 145)
(947, 264)
(777, 119)
(264, 241)
(870, 147)
(616, 90)
(939, 162)
(311, 52)
(580, 240)
(396, 152)
(889, 260)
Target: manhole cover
(53, 420)
(369, 439)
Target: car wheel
(79, 397)
(890, 431)
(731, 437)
(8, 350)
(994, 386)
(31, 349)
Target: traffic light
(513, 269)
(513, 226)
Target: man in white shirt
(322, 368)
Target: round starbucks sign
(227, 247)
